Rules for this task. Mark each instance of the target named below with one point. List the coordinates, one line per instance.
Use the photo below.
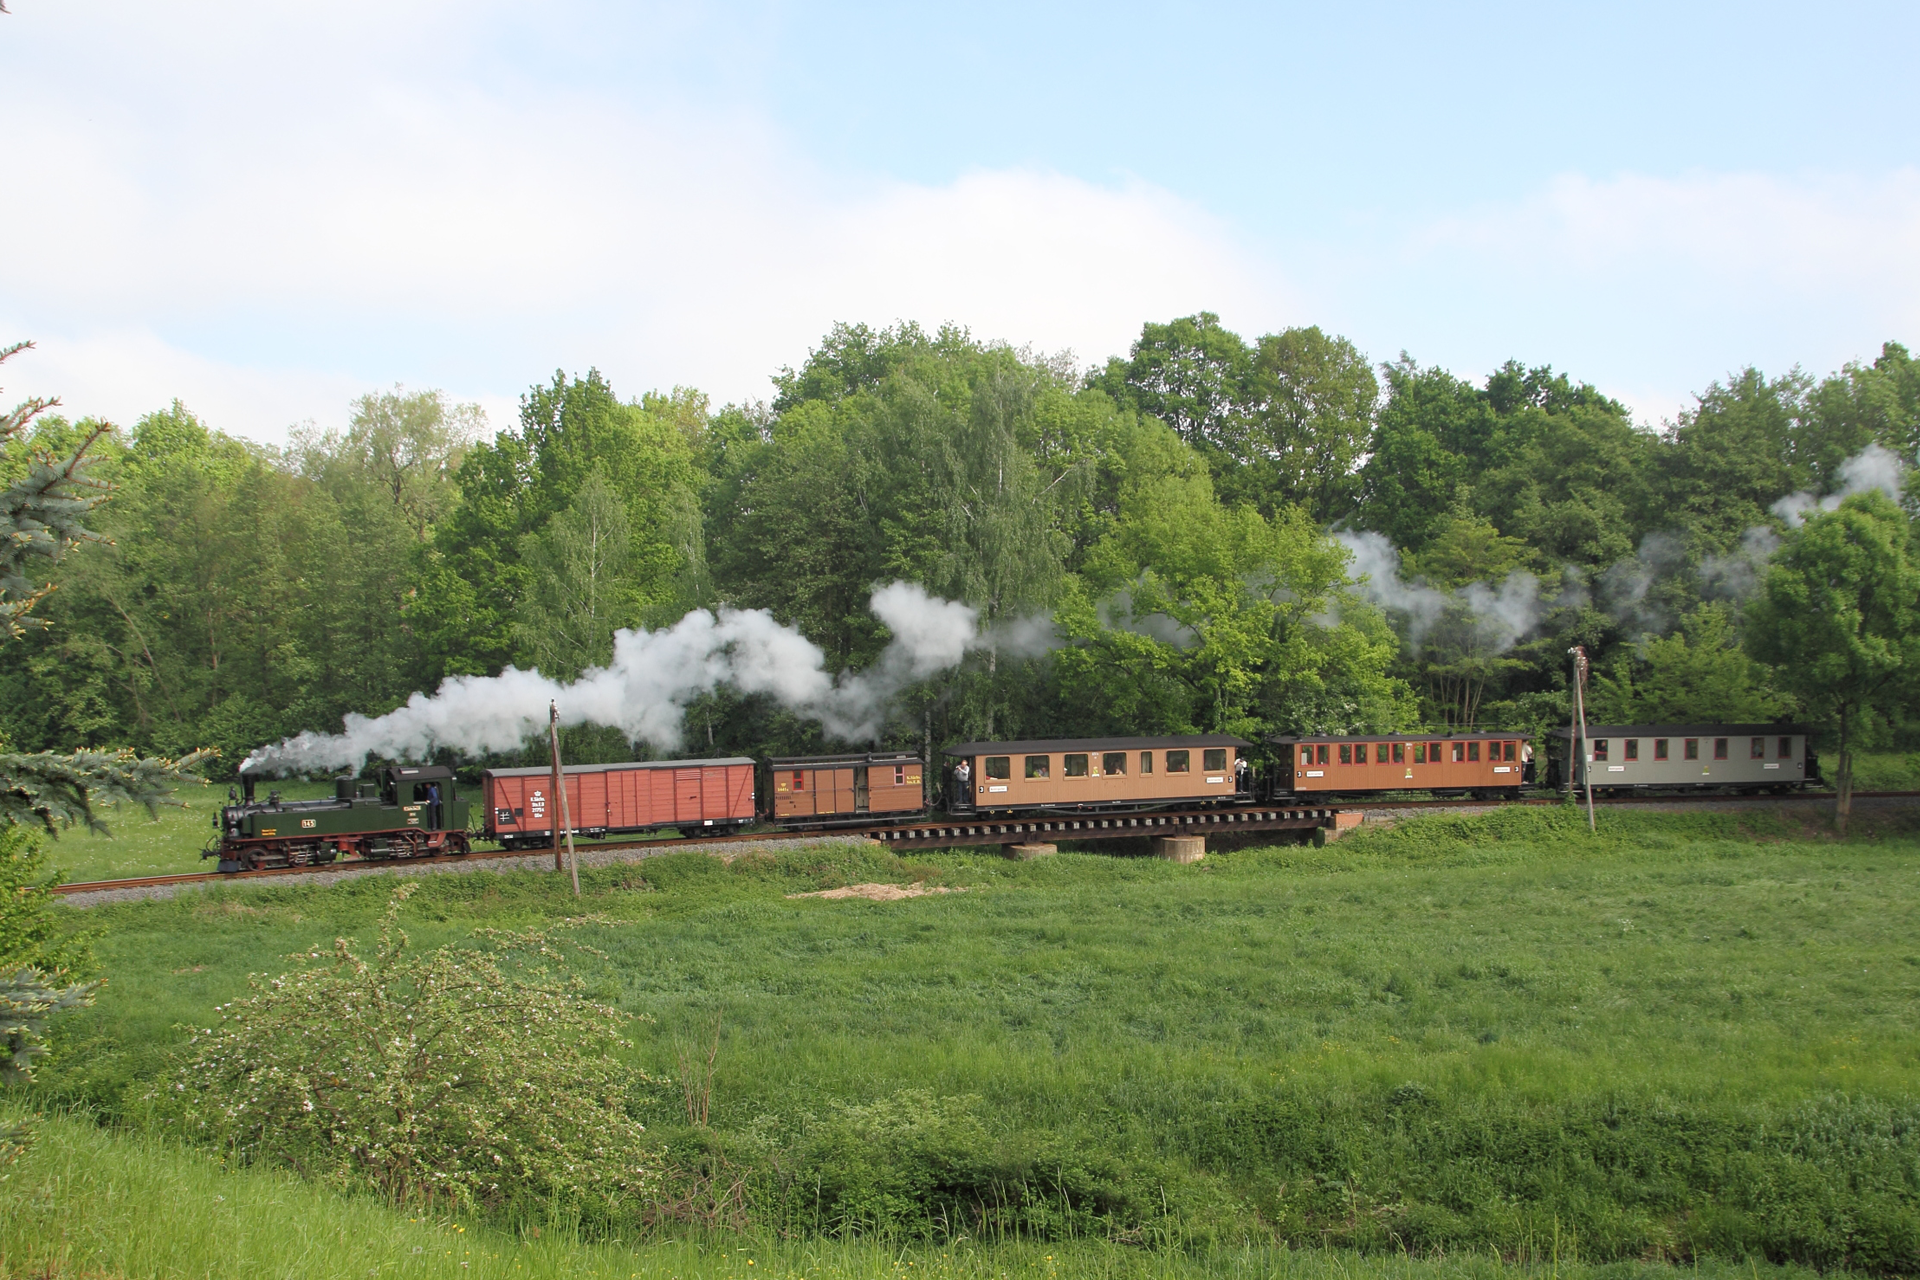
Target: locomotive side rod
(955, 834)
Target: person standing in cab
(433, 806)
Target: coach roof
(576, 769)
(1051, 746)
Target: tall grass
(86, 1202)
(1689, 1034)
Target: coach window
(1177, 761)
(1419, 753)
(899, 775)
(1510, 749)
(1786, 748)
(1146, 762)
(1659, 748)
(1719, 748)
(1380, 754)
(997, 767)
(1346, 753)
(1632, 751)
(1459, 752)
(1114, 762)
(799, 780)
(1692, 751)
(1757, 749)
(1599, 748)
(1399, 752)
(1433, 752)
(1038, 766)
(1473, 752)
(1076, 765)
(1214, 759)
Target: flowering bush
(465, 1076)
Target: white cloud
(268, 262)
(266, 209)
(1652, 286)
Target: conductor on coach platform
(963, 783)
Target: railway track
(956, 833)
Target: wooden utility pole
(563, 819)
(553, 799)
(1585, 757)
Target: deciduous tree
(1838, 616)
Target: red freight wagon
(613, 799)
(1487, 763)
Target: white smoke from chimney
(645, 690)
(1500, 614)
(1874, 467)
(1737, 574)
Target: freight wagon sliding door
(590, 810)
(686, 795)
(660, 793)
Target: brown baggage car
(808, 791)
(1081, 774)
(1487, 763)
(616, 799)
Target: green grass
(1887, 771)
(86, 1202)
(1692, 1033)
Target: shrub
(473, 1077)
(38, 961)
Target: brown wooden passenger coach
(611, 799)
(1087, 774)
(1484, 763)
(829, 790)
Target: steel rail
(954, 832)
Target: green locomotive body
(393, 815)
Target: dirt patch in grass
(878, 892)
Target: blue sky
(267, 209)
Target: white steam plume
(1874, 467)
(1737, 573)
(644, 691)
(1501, 615)
(1117, 612)
(1624, 588)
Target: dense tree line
(1182, 516)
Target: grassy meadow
(1693, 1036)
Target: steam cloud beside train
(1502, 614)
(645, 690)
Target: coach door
(860, 788)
